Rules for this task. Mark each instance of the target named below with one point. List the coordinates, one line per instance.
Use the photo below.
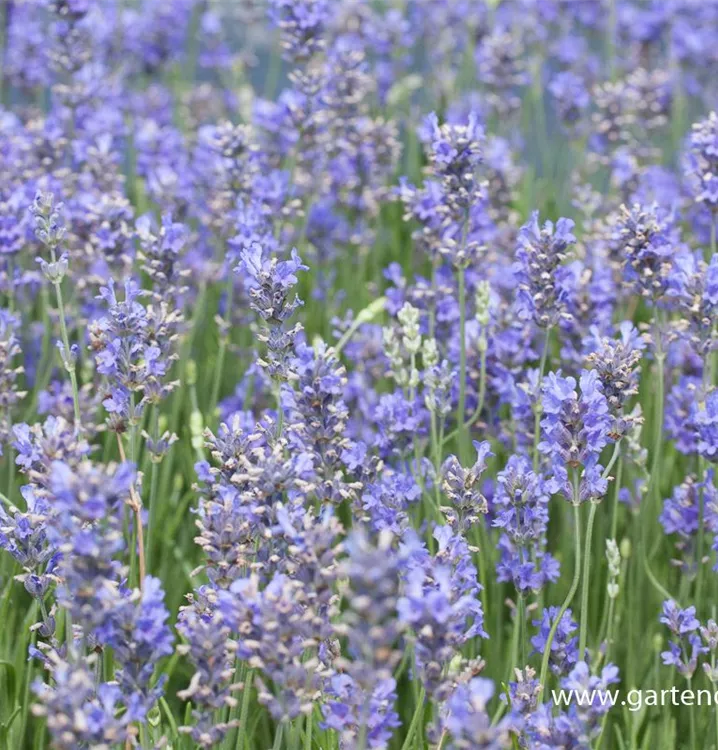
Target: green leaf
(10, 680)
(5, 727)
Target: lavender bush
(358, 381)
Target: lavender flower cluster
(358, 373)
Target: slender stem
(278, 737)
(437, 442)
(692, 718)
(655, 582)
(136, 506)
(570, 595)
(658, 426)
(537, 408)
(701, 532)
(44, 369)
(67, 358)
(219, 367)
(274, 70)
(513, 657)
(479, 406)
(609, 631)
(583, 631)
(614, 457)
(10, 471)
(26, 700)
(170, 718)
(611, 38)
(461, 408)
(11, 278)
(435, 447)
(308, 732)
(363, 729)
(517, 644)
(654, 485)
(154, 480)
(144, 738)
(246, 694)
(482, 386)
(485, 566)
(280, 412)
(522, 636)
(69, 634)
(432, 308)
(415, 720)
(587, 557)
(365, 316)
(616, 491)
(539, 116)
(133, 430)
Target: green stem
(611, 38)
(154, 479)
(516, 639)
(133, 431)
(571, 592)
(365, 316)
(658, 416)
(482, 385)
(522, 635)
(362, 733)
(69, 635)
(308, 732)
(10, 272)
(415, 721)
(170, 718)
(539, 116)
(654, 485)
(246, 695)
(26, 701)
(144, 738)
(614, 457)
(133, 554)
(221, 354)
(67, 359)
(537, 408)
(273, 72)
(461, 408)
(44, 369)
(616, 491)
(692, 718)
(479, 406)
(10, 471)
(583, 632)
(701, 533)
(278, 737)
(280, 412)
(609, 631)
(432, 309)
